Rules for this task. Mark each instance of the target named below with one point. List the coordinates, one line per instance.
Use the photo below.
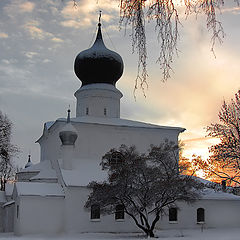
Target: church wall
(94, 140)
(9, 218)
(36, 214)
(25, 176)
(1, 217)
(218, 214)
(93, 99)
(77, 218)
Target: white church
(49, 197)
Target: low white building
(49, 197)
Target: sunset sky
(39, 41)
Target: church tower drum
(98, 68)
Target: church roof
(213, 191)
(39, 189)
(114, 122)
(211, 194)
(38, 167)
(87, 172)
(121, 122)
(45, 174)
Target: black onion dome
(98, 64)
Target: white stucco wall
(94, 140)
(77, 218)
(97, 97)
(218, 214)
(38, 215)
(8, 225)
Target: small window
(105, 112)
(119, 214)
(17, 211)
(87, 111)
(95, 211)
(116, 158)
(172, 215)
(200, 215)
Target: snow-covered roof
(38, 167)
(45, 174)
(211, 194)
(111, 122)
(39, 189)
(118, 122)
(114, 122)
(47, 125)
(88, 171)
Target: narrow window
(17, 211)
(119, 214)
(172, 215)
(105, 112)
(87, 111)
(95, 211)
(200, 215)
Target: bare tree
(224, 161)
(7, 151)
(143, 184)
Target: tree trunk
(150, 233)
(3, 184)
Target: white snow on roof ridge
(87, 172)
(210, 191)
(118, 122)
(49, 124)
(45, 174)
(46, 164)
(211, 194)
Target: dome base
(98, 100)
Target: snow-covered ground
(197, 234)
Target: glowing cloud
(58, 40)
(85, 13)
(26, 7)
(35, 31)
(3, 35)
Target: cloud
(46, 60)
(3, 35)
(30, 54)
(26, 7)
(58, 40)
(86, 13)
(32, 27)
(233, 10)
(5, 61)
(76, 24)
(17, 7)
